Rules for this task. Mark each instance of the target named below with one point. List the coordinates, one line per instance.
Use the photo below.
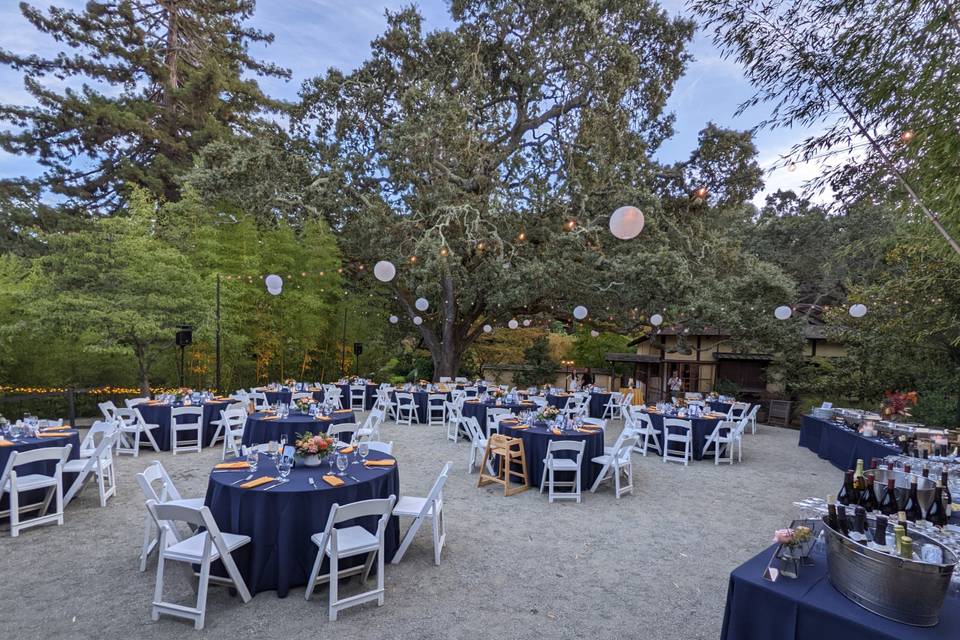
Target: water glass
(341, 463)
(283, 467)
(363, 449)
(253, 459)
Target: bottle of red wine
(846, 494)
(890, 466)
(912, 504)
(880, 531)
(888, 501)
(926, 471)
(906, 468)
(936, 514)
(842, 520)
(832, 520)
(860, 520)
(869, 498)
(947, 496)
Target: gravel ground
(654, 564)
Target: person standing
(675, 383)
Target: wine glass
(341, 463)
(283, 467)
(363, 449)
(253, 458)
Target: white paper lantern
(384, 271)
(858, 310)
(783, 312)
(513, 324)
(626, 223)
(273, 281)
(656, 319)
(580, 312)
(421, 304)
(394, 319)
(526, 322)
(594, 333)
(487, 328)
(417, 320)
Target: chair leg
(136, 444)
(202, 586)
(148, 542)
(158, 586)
(311, 582)
(380, 572)
(439, 533)
(14, 513)
(334, 578)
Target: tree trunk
(446, 362)
(143, 369)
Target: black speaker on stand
(357, 350)
(184, 339)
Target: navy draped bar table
(261, 427)
(280, 521)
(842, 447)
(159, 414)
(536, 439)
(702, 428)
(45, 467)
(809, 608)
(478, 410)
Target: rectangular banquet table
(809, 608)
(842, 447)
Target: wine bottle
(926, 471)
(906, 468)
(911, 505)
(890, 466)
(858, 480)
(869, 499)
(859, 529)
(936, 514)
(842, 520)
(845, 495)
(947, 496)
(906, 547)
(925, 454)
(832, 520)
(888, 501)
(873, 463)
(880, 531)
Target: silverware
(354, 478)
(275, 484)
(249, 477)
(312, 483)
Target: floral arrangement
(792, 537)
(184, 391)
(497, 392)
(895, 404)
(680, 403)
(303, 404)
(713, 395)
(289, 382)
(311, 444)
(548, 413)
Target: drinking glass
(253, 458)
(283, 467)
(363, 449)
(341, 463)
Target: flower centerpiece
(680, 403)
(303, 404)
(497, 393)
(312, 447)
(548, 413)
(790, 550)
(289, 383)
(895, 404)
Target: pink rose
(783, 536)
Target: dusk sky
(313, 35)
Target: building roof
(630, 357)
(765, 357)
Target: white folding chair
(644, 429)
(553, 464)
(444, 380)
(371, 426)
(612, 409)
(218, 422)
(108, 409)
(14, 484)
(436, 409)
(406, 408)
(752, 418)
(358, 395)
(539, 401)
(192, 421)
(233, 421)
(203, 548)
(338, 544)
(382, 447)
(100, 464)
(421, 509)
(679, 431)
(454, 413)
(494, 415)
(259, 399)
(168, 494)
(737, 410)
(133, 425)
(333, 394)
(720, 440)
(338, 429)
(97, 432)
(133, 402)
(478, 441)
(617, 464)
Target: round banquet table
(536, 439)
(281, 396)
(420, 399)
(280, 521)
(369, 396)
(702, 428)
(558, 400)
(478, 410)
(719, 407)
(262, 427)
(159, 413)
(47, 467)
(598, 402)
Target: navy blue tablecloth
(159, 414)
(598, 402)
(280, 521)
(536, 439)
(47, 467)
(719, 407)
(842, 447)
(558, 401)
(809, 608)
(282, 396)
(702, 428)
(420, 399)
(478, 410)
(369, 396)
(259, 429)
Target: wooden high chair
(511, 452)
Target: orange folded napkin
(380, 463)
(333, 481)
(232, 465)
(556, 431)
(344, 411)
(272, 418)
(324, 418)
(62, 427)
(473, 401)
(347, 450)
(518, 427)
(58, 434)
(257, 482)
(509, 422)
(5, 443)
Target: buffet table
(840, 446)
(809, 608)
(280, 521)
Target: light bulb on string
(907, 135)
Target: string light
(701, 193)
(413, 259)
(792, 167)
(569, 225)
(443, 252)
(907, 135)
(521, 236)
(480, 246)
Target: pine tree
(149, 82)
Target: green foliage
(541, 367)
(587, 351)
